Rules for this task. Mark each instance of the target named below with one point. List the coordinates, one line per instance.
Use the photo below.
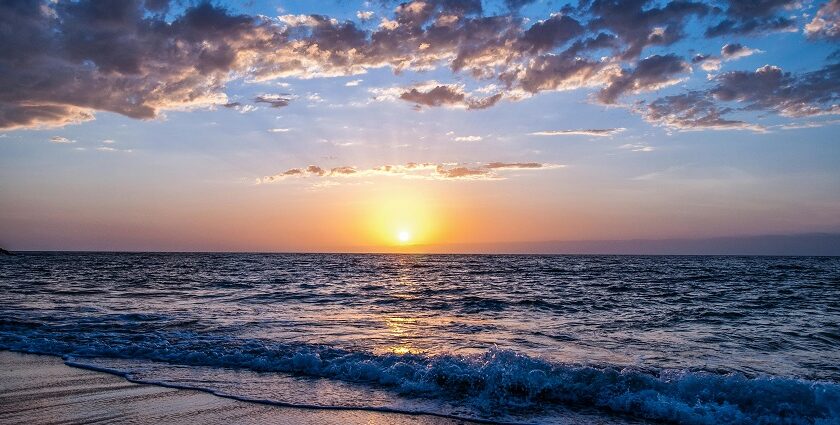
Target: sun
(400, 220)
(404, 236)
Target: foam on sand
(41, 389)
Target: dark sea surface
(521, 339)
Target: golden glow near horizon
(402, 219)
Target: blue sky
(132, 129)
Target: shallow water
(543, 339)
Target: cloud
(639, 24)
(769, 88)
(447, 95)
(550, 33)
(736, 50)
(364, 15)
(353, 83)
(561, 72)
(145, 62)
(279, 130)
(707, 62)
(239, 107)
(413, 170)
(694, 110)
(651, 73)
(637, 147)
(275, 100)
(520, 166)
(466, 173)
(17, 115)
(65, 61)
(754, 16)
(61, 140)
(468, 139)
(728, 52)
(809, 124)
(112, 149)
(593, 132)
(826, 23)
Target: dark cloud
(551, 33)
(771, 89)
(731, 49)
(558, 72)
(437, 96)
(642, 23)
(753, 16)
(699, 58)
(651, 73)
(22, 116)
(62, 62)
(448, 95)
(766, 89)
(691, 111)
(735, 50)
(416, 13)
(728, 52)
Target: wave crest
(496, 381)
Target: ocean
(494, 338)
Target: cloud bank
(413, 170)
(63, 62)
(592, 132)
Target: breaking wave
(494, 382)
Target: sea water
(512, 339)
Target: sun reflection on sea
(401, 330)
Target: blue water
(520, 339)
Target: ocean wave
(493, 382)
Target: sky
(387, 126)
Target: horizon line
(616, 247)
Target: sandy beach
(38, 389)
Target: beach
(39, 389)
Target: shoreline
(44, 389)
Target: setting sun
(400, 219)
(404, 236)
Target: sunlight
(404, 236)
(399, 219)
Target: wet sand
(43, 390)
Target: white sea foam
(494, 383)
